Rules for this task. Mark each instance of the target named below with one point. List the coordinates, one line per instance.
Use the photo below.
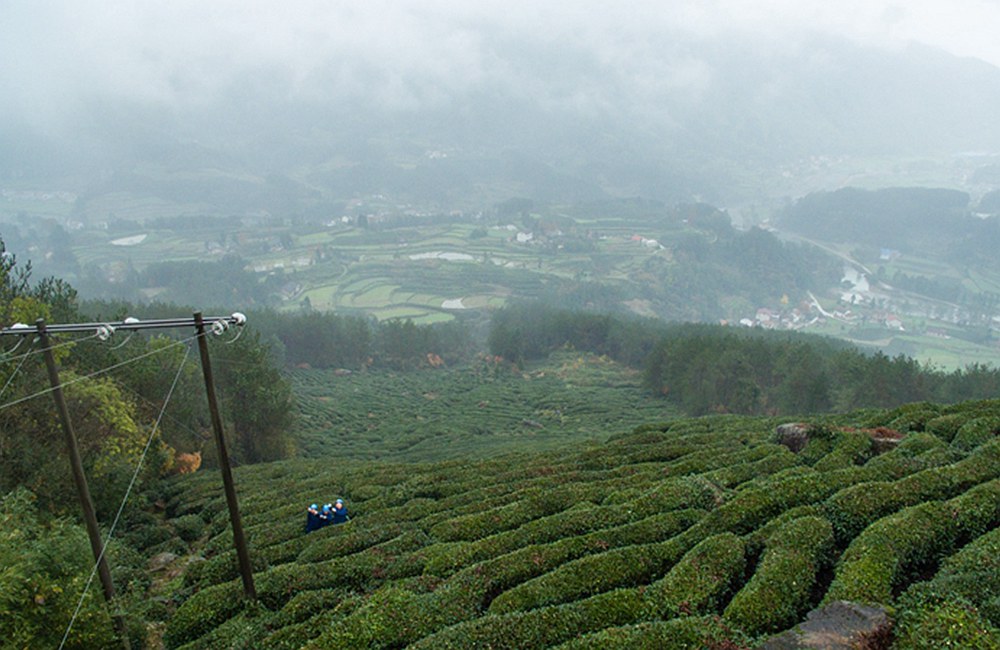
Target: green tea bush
(188, 527)
(780, 590)
(360, 571)
(946, 426)
(203, 612)
(701, 581)
(669, 494)
(389, 615)
(336, 541)
(912, 417)
(537, 549)
(980, 556)
(931, 623)
(148, 536)
(241, 632)
(296, 635)
(588, 566)
(850, 448)
(540, 628)
(777, 458)
(221, 568)
(880, 559)
(579, 519)
(532, 505)
(306, 604)
(976, 432)
(855, 507)
(708, 573)
(685, 633)
(918, 443)
(284, 552)
(753, 507)
(971, 576)
(395, 616)
(591, 574)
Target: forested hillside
(926, 221)
(118, 389)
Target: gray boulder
(841, 625)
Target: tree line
(114, 412)
(715, 369)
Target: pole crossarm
(129, 324)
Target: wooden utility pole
(80, 478)
(242, 552)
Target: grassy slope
(645, 538)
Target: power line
(10, 379)
(104, 331)
(98, 372)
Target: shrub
(912, 417)
(881, 558)
(221, 568)
(673, 494)
(754, 506)
(145, 537)
(202, 612)
(241, 632)
(976, 432)
(757, 540)
(539, 628)
(284, 552)
(304, 605)
(855, 507)
(630, 565)
(780, 590)
(946, 426)
(935, 622)
(851, 448)
(972, 576)
(701, 581)
(685, 633)
(777, 459)
(708, 574)
(535, 504)
(363, 570)
(389, 615)
(189, 527)
(640, 558)
(980, 556)
(336, 541)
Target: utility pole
(80, 478)
(242, 552)
(103, 331)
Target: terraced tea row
(700, 531)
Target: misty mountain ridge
(554, 127)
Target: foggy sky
(58, 58)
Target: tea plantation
(699, 533)
(473, 410)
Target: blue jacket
(313, 521)
(339, 515)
